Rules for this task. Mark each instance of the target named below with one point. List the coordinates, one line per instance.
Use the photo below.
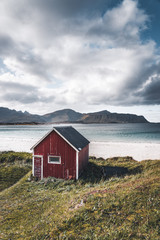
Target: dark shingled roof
(73, 136)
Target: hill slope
(12, 116)
(68, 116)
(65, 115)
(125, 207)
(107, 117)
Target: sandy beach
(139, 151)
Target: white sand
(17, 144)
(139, 151)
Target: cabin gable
(54, 145)
(58, 155)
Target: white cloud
(70, 57)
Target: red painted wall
(54, 145)
(83, 158)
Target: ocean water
(23, 137)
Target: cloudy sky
(88, 55)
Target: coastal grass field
(13, 166)
(100, 205)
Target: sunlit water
(22, 137)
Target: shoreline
(83, 123)
(137, 150)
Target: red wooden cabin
(61, 153)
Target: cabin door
(38, 166)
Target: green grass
(94, 207)
(13, 166)
(13, 157)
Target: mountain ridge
(8, 116)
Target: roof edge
(41, 139)
(35, 145)
(65, 140)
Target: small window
(54, 159)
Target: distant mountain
(108, 117)
(65, 115)
(68, 116)
(12, 116)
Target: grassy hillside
(13, 166)
(126, 206)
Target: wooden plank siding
(83, 159)
(54, 145)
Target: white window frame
(54, 162)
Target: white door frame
(38, 156)
(77, 165)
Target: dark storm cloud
(18, 92)
(9, 86)
(140, 77)
(56, 17)
(29, 62)
(6, 45)
(27, 98)
(143, 89)
(74, 8)
(21, 97)
(151, 92)
(22, 93)
(95, 50)
(33, 64)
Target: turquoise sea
(20, 137)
